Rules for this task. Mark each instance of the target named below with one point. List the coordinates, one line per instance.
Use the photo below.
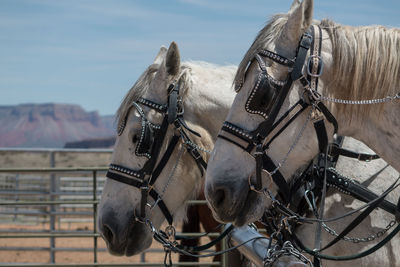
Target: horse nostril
(107, 234)
(219, 197)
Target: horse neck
(209, 99)
(377, 125)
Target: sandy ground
(14, 256)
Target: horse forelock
(136, 91)
(266, 36)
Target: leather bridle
(258, 141)
(151, 146)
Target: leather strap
(314, 65)
(301, 107)
(237, 136)
(335, 150)
(328, 115)
(357, 190)
(322, 135)
(161, 204)
(277, 177)
(129, 181)
(305, 44)
(164, 160)
(209, 244)
(259, 166)
(173, 102)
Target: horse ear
(161, 55)
(295, 4)
(173, 60)
(308, 9)
(299, 20)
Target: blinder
(263, 95)
(146, 141)
(148, 132)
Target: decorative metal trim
(255, 89)
(277, 58)
(237, 130)
(158, 107)
(130, 172)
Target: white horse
(206, 93)
(359, 63)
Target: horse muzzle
(124, 237)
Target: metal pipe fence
(46, 202)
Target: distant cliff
(50, 125)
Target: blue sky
(91, 52)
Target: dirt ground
(70, 257)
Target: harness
(266, 99)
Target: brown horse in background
(197, 214)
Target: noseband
(150, 144)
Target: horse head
(290, 89)
(159, 155)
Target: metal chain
(356, 240)
(360, 102)
(187, 142)
(180, 153)
(348, 238)
(287, 249)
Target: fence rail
(49, 195)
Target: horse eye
(134, 138)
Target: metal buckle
(303, 80)
(258, 153)
(262, 190)
(144, 187)
(179, 107)
(306, 40)
(195, 153)
(150, 224)
(171, 87)
(313, 95)
(171, 232)
(316, 115)
(152, 206)
(367, 158)
(320, 63)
